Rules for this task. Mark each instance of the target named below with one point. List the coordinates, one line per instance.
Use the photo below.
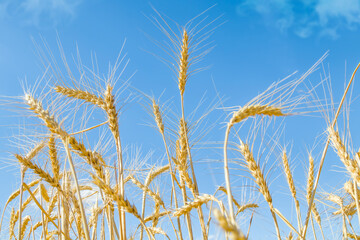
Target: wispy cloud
(305, 18)
(41, 13)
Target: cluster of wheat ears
(54, 168)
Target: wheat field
(78, 180)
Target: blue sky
(256, 42)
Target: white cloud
(39, 12)
(305, 17)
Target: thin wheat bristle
(253, 110)
(83, 95)
(197, 202)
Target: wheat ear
(238, 116)
(259, 180)
(326, 148)
(291, 184)
(197, 202)
(351, 166)
(227, 225)
(183, 74)
(82, 95)
(253, 110)
(160, 124)
(14, 195)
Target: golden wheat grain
(124, 203)
(351, 166)
(14, 195)
(111, 111)
(55, 165)
(40, 172)
(44, 193)
(221, 188)
(288, 175)
(49, 120)
(24, 225)
(82, 95)
(246, 206)
(155, 215)
(310, 180)
(146, 189)
(153, 174)
(253, 110)
(197, 202)
(157, 115)
(228, 226)
(255, 171)
(184, 62)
